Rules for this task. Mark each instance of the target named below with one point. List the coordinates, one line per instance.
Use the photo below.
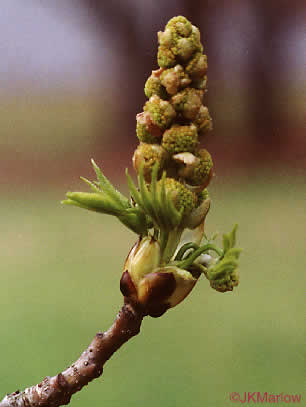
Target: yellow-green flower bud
(198, 214)
(186, 40)
(196, 36)
(227, 283)
(154, 86)
(202, 172)
(186, 162)
(203, 195)
(184, 49)
(203, 121)
(161, 112)
(144, 135)
(146, 130)
(180, 26)
(165, 38)
(197, 66)
(147, 155)
(200, 84)
(178, 42)
(188, 102)
(174, 78)
(165, 57)
(222, 272)
(180, 138)
(183, 199)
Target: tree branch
(57, 390)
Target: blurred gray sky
(44, 48)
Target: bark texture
(57, 390)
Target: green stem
(184, 248)
(163, 239)
(188, 262)
(155, 233)
(174, 238)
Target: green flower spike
(173, 171)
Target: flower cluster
(174, 119)
(173, 174)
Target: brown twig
(57, 390)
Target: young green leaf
(108, 188)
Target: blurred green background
(60, 266)
(60, 284)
